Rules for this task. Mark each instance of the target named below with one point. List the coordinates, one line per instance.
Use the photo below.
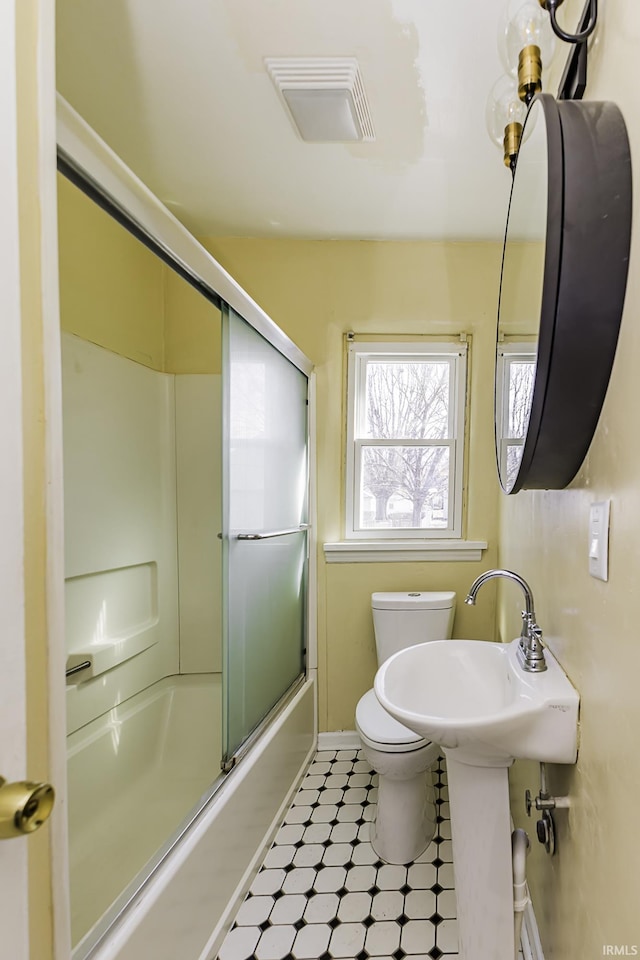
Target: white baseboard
(339, 740)
(531, 943)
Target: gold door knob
(24, 807)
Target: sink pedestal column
(481, 836)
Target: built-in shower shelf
(112, 616)
(106, 654)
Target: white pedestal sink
(474, 699)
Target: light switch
(599, 539)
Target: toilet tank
(401, 620)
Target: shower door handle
(24, 807)
(272, 533)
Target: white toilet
(406, 814)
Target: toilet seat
(381, 731)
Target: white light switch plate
(599, 539)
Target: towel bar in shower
(78, 667)
(272, 533)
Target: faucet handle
(531, 651)
(535, 636)
(526, 624)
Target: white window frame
(508, 352)
(358, 354)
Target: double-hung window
(405, 439)
(515, 374)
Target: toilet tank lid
(418, 600)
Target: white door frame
(34, 61)
(51, 350)
(13, 720)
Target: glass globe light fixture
(505, 115)
(524, 24)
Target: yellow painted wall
(117, 294)
(317, 291)
(111, 286)
(587, 896)
(192, 337)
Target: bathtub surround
(120, 527)
(142, 453)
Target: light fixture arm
(552, 5)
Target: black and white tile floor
(322, 893)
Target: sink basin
(474, 699)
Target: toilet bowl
(405, 820)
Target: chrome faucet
(530, 650)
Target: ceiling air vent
(325, 97)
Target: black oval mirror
(564, 273)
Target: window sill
(403, 551)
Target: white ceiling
(179, 89)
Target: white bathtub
(167, 744)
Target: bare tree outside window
(405, 439)
(409, 483)
(521, 378)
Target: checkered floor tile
(322, 893)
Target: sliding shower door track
(227, 764)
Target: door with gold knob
(25, 806)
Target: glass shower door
(264, 537)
